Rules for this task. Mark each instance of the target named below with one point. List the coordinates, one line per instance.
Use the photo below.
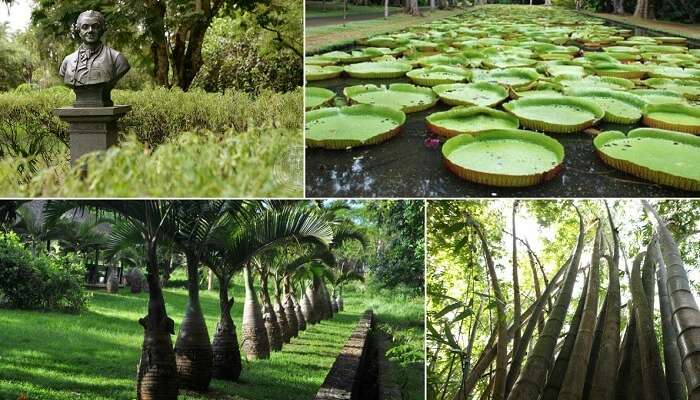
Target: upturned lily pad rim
(433, 120)
(350, 91)
(327, 72)
(623, 96)
(562, 127)
(638, 169)
(673, 108)
(504, 180)
(318, 92)
(360, 110)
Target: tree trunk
(686, 316)
(499, 386)
(227, 357)
(644, 9)
(155, 27)
(653, 381)
(255, 341)
(603, 383)
(516, 284)
(534, 372)
(412, 8)
(327, 311)
(307, 307)
(572, 386)
(282, 318)
(672, 356)
(193, 351)
(300, 315)
(157, 372)
(291, 314)
(317, 304)
(556, 376)
(210, 280)
(432, 5)
(272, 325)
(536, 281)
(595, 349)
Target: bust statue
(94, 69)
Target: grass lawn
(335, 9)
(94, 355)
(326, 37)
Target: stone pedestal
(91, 128)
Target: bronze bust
(93, 69)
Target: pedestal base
(91, 128)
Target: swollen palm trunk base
(290, 313)
(193, 352)
(336, 308)
(227, 357)
(274, 329)
(307, 310)
(284, 325)
(157, 371)
(255, 341)
(301, 321)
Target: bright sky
(17, 15)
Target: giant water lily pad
(597, 82)
(620, 107)
(628, 71)
(661, 156)
(469, 120)
(358, 125)
(556, 114)
(318, 73)
(316, 97)
(516, 78)
(507, 157)
(675, 117)
(659, 96)
(379, 69)
(689, 89)
(473, 94)
(438, 75)
(401, 96)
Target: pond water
(411, 165)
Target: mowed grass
(50, 356)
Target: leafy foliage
(47, 282)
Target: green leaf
(448, 308)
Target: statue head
(90, 26)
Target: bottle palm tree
(145, 222)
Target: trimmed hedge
(174, 144)
(43, 282)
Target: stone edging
(345, 375)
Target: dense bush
(41, 282)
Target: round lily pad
(469, 120)
(517, 78)
(675, 117)
(358, 125)
(504, 157)
(317, 72)
(316, 97)
(598, 82)
(689, 89)
(628, 71)
(555, 114)
(659, 96)
(473, 94)
(438, 75)
(401, 96)
(660, 156)
(620, 107)
(379, 69)
(662, 71)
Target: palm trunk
(282, 318)
(300, 315)
(574, 379)
(157, 371)
(672, 356)
(272, 325)
(290, 310)
(307, 308)
(255, 341)
(341, 306)
(328, 310)
(603, 383)
(534, 372)
(317, 303)
(227, 356)
(556, 376)
(686, 316)
(193, 351)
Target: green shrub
(43, 282)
